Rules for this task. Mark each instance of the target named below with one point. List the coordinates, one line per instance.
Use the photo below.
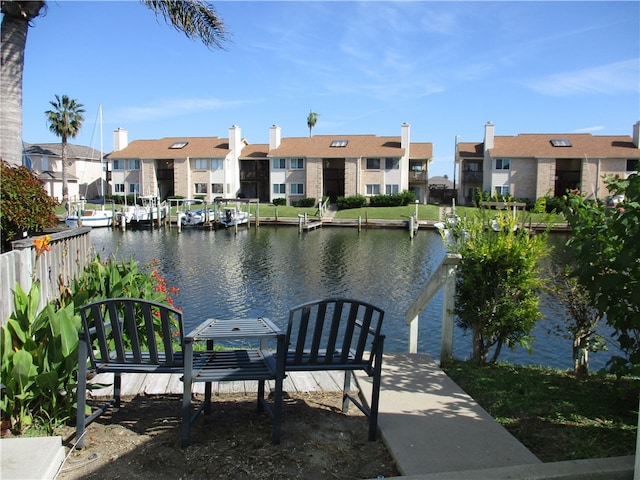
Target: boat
(79, 217)
(146, 211)
(201, 216)
(232, 216)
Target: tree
(312, 119)
(497, 282)
(196, 18)
(580, 317)
(25, 205)
(607, 262)
(65, 121)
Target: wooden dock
(164, 383)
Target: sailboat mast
(101, 157)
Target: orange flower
(42, 244)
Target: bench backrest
(333, 333)
(132, 331)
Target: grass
(554, 414)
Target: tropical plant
(65, 121)
(312, 119)
(607, 262)
(39, 356)
(25, 206)
(497, 282)
(196, 18)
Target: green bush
(26, 206)
(354, 201)
(279, 201)
(392, 199)
(305, 202)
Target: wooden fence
(70, 253)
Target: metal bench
(125, 335)
(334, 334)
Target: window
(392, 163)
(217, 164)
(416, 167)
(279, 164)
(632, 165)
(339, 143)
(560, 142)
(200, 188)
(503, 163)
(373, 164)
(502, 190)
(472, 167)
(373, 189)
(118, 165)
(178, 145)
(118, 188)
(134, 164)
(201, 164)
(388, 189)
(297, 163)
(297, 189)
(134, 188)
(279, 188)
(217, 188)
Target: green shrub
(26, 206)
(279, 201)
(354, 201)
(305, 202)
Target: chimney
(489, 132)
(275, 136)
(405, 136)
(235, 140)
(636, 134)
(120, 139)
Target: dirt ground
(142, 441)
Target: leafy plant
(354, 201)
(607, 262)
(497, 282)
(39, 351)
(26, 206)
(39, 355)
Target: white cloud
(614, 78)
(172, 108)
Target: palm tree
(196, 18)
(65, 121)
(312, 119)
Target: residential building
(535, 165)
(287, 167)
(85, 172)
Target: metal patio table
(227, 365)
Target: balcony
(471, 177)
(415, 176)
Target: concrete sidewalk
(435, 431)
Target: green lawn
(554, 414)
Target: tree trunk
(580, 357)
(65, 181)
(479, 355)
(13, 40)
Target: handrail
(444, 275)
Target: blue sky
(446, 68)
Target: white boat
(192, 218)
(78, 217)
(232, 216)
(145, 212)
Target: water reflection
(265, 272)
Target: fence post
(448, 304)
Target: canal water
(265, 272)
